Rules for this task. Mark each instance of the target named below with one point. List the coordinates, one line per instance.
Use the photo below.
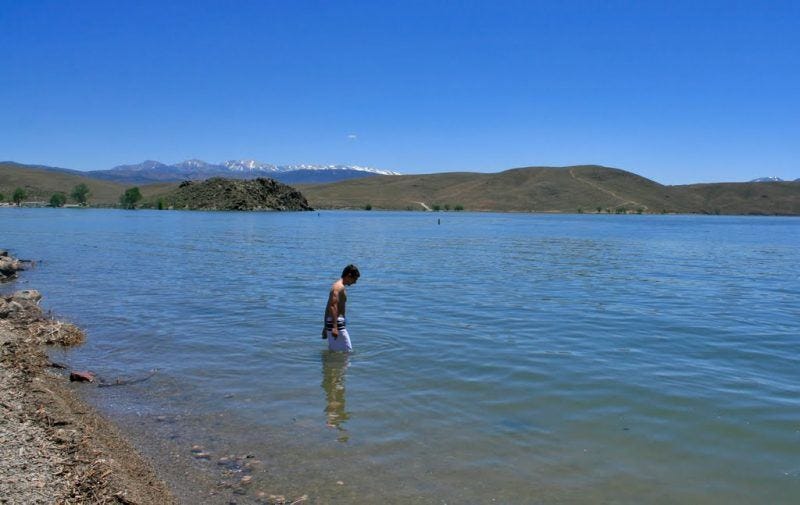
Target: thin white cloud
(352, 136)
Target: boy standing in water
(335, 329)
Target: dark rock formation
(227, 194)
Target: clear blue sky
(679, 92)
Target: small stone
(81, 376)
(252, 464)
(202, 455)
(197, 448)
(246, 480)
(341, 483)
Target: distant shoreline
(571, 189)
(405, 211)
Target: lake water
(499, 358)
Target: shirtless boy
(335, 310)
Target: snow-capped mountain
(154, 171)
(145, 165)
(768, 179)
(249, 165)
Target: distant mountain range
(151, 171)
(772, 179)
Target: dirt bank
(53, 447)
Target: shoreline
(54, 447)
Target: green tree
(58, 200)
(436, 207)
(160, 204)
(2, 197)
(80, 193)
(19, 195)
(458, 207)
(130, 198)
(368, 206)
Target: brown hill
(534, 189)
(40, 184)
(756, 198)
(587, 188)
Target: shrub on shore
(130, 198)
(19, 195)
(58, 200)
(80, 193)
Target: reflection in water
(334, 365)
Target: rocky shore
(53, 447)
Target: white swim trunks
(342, 343)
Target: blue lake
(499, 358)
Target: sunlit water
(498, 358)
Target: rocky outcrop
(227, 194)
(9, 266)
(20, 311)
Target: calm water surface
(499, 358)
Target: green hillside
(555, 189)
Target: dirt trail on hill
(607, 191)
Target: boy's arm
(333, 310)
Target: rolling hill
(41, 182)
(586, 188)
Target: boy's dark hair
(351, 270)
